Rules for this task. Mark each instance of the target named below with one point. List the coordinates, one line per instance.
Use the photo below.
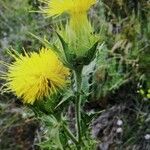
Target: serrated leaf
(68, 95)
(69, 56)
(90, 54)
(86, 75)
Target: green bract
(80, 50)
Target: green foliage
(125, 55)
(55, 137)
(108, 75)
(135, 133)
(53, 134)
(16, 22)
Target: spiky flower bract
(35, 75)
(78, 42)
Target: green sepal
(47, 105)
(87, 58)
(70, 55)
(90, 54)
(67, 96)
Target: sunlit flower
(77, 32)
(77, 9)
(73, 7)
(35, 75)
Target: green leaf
(53, 135)
(70, 56)
(87, 73)
(90, 54)
(67, 96)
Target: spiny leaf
(67, 96)
(70, 56)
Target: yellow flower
(73, 7)
(35, 75)
(77, 32)
(77, 9)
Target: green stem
(78, 80)
(78, 118)
(69, 133)
(59, 142)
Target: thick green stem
(77, 141)
(78, 80)
(78, 120)
(69, 133)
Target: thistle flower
(77, 9)
(35, 75)
(77, 33)
(73, 7)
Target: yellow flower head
(77, 9)
(35, 75)
(77, 32)
(72, 7)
